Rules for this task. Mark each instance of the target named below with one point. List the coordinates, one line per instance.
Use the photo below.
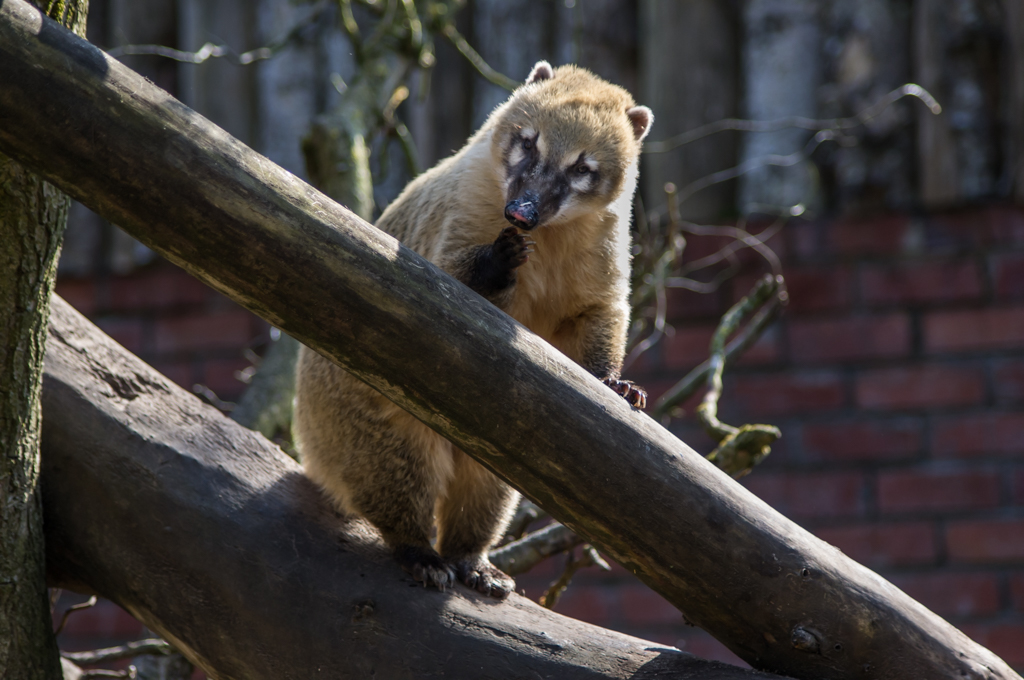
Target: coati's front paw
(425, 566)
(631, 392)
(484, 577)
(511, 249)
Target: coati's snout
(523, 212)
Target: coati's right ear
(541, 71)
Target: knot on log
(806, 641)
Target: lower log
(209, 534)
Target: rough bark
(310, 267)
(33, 214)
(210, 535)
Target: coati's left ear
(541, 71)
(641, 118)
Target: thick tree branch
(524, 554)
(739, 449)
(283, 250)
(211, 535)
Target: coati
(551, 172)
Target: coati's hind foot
(484, 577)
(425, 566)
(631, 392)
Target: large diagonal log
(774, 594)
(211, 535)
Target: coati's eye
(527, 144)
(582, 169)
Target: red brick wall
(184, 329)
(896, 375)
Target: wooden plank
(219, 89)
(781, 76)
(937, 163)
(1014, 115)
(689, 76)
(961, 56)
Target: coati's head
(567, 141)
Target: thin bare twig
(589, 558)
(130, 673)
(655, 282)
(474, 58)
(152, 646)
(384, 26)
(412, 18)
(743, 239)
(408, 148)
(211, 51)
(351, 28)
(520, 556)
(696, 378)
(737, 124)
(657, 264)
(211, 398)
(91, 602)
(749, 165)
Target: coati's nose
(522, 212)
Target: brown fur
(377, 461)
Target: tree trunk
(33, 214)
(210, 535)
(310, 267)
